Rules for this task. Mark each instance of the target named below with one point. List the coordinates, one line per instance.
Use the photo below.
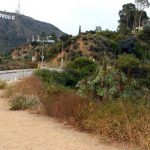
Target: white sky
(67, 15)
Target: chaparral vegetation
(104, 87)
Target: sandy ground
(20, 130)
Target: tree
(141, 5)
(126, 15)
(43, 35)
(54, 37)
(145, 34)
(65, 37)
(130, 18)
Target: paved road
(15, 75)
(11, 75)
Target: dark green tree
(130, 18)
(145, 34)
(126, 18)
(141, 5)
(54, 37)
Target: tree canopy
(130, 17)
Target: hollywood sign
(7, 16)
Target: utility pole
(23, 64)
(62, 59)
(19, 7)
(42, 51)
(18, 10)
(80, 29)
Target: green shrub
(22, 102)
(106, 84)
(62, 78)
(73, 54)
(143, 75)
(127, 63)
(81, 67)
(145, 33)
(1, 59)
(3, 84)
(17, 64)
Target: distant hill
(19, 29)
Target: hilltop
(19, 31)
(95, 45)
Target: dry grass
(28, 86)
(121, 121)
(66, 106)
(3, 84)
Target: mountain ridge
(19, 31)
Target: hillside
(20, 30)
(90, 44)
(106, 44)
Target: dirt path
(23, 131)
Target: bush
(1, 59)
(22, 102)
(28, 86)
(55, 77)
(143, 75)
(118, 120)
(73, 54)
(3, 84)
(127, 63)
(123, 120)
(81, 67)
(107, 84)
(16, 64)
(63, 105)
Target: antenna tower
(19, 8)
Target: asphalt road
(12, 75)
(15, 75)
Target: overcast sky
(67, 15)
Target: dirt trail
(20, 130)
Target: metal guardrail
(15, 71)
(26, 70)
